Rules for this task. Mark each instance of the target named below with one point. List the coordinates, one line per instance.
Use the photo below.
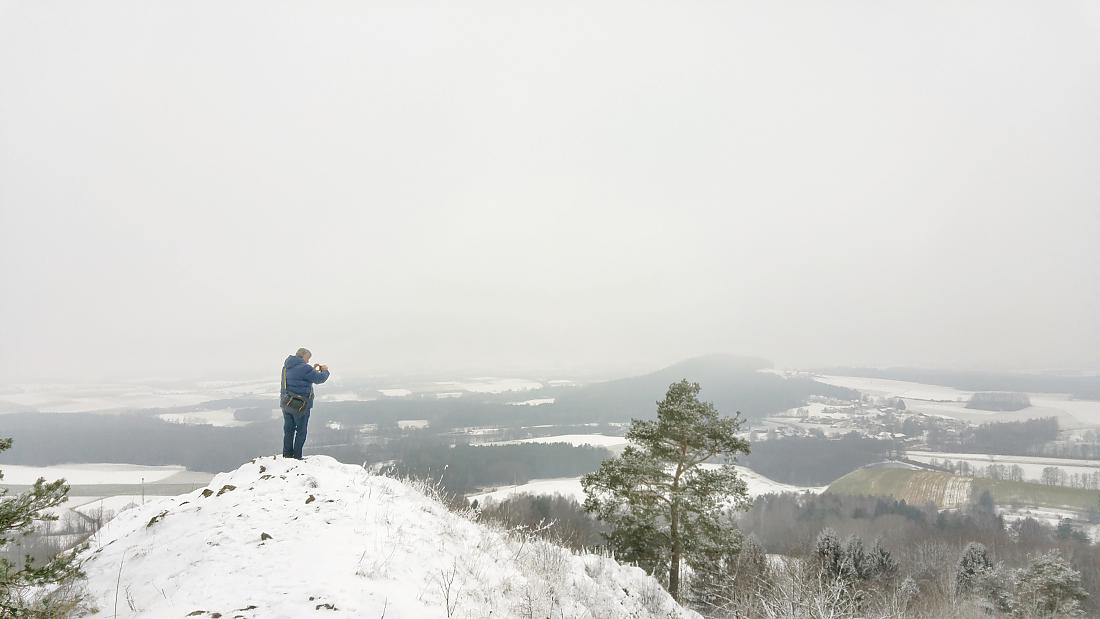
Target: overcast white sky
(195, 188)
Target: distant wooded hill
(732, 383)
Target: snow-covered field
(1087, 412)
(535, 402)
(368, 546)
(595, 440)
(77, 398)
(88, 474)
(341, 396)
(1032, 465)
(952, 402)
(491, 384)
(81, 398)
(395, 393)
(562, 486)
(1050, 517)
(415, 424)
(92, 505)
(896, 388)
(571, 487)
(221, 417)
(74, 398)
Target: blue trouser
(294, 433)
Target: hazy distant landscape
(493, 437)
(593, 310)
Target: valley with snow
(172, 524)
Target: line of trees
(1008, 437)
(1049, 476)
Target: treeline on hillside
(554, 517)
(1007, 437)
(863, 557)
(755, 394)
(927, 545)
(813, 461)
(464, 468)
(42, 439)
(45, 439)
(732, 384)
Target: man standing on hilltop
(296, 399)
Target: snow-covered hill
(282, 538)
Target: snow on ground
(477, 431)
(395, 393)
(416, 424)
(535, 402)
(491, 384)
(448, 394)
(76, 398)
(571, 487)
(341, 396)
(356, 545)
(1032, 465)
(595, 440)
(88, 474)
(92, 505)
(67, 398)
(759, 485)
(1050, 517)
(1087, 412)
(1070, 413)
(896, 388)
(777, 372)
(222, 418)
(255, 387)
(562, 486)
(817, 409)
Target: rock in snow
(254, 544)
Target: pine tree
(1050, 587)
(18, 514)
(830, 554)
(973, 563)
(664, 506)
(855, 565)
(883, 564)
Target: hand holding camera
(320, 368)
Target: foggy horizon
(599, 188)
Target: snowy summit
(285, 538)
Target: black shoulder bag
(290, 400)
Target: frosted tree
(1048, 587)
(882, 564)
(829, 552)
(855, 565)
(664, 506)
(973, 563)
(18, 515)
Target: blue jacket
(300, 376)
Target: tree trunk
(674, 536)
